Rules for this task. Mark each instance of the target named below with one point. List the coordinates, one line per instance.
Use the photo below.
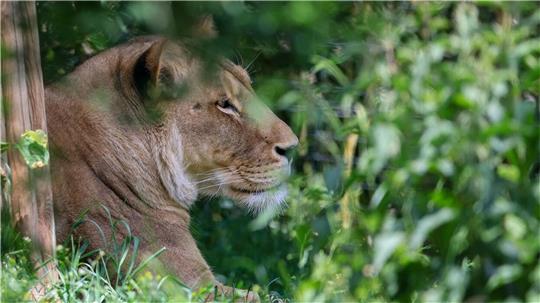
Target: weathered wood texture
(23, 107)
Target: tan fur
(107, 150)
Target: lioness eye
(227, 106)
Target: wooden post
(23, 108)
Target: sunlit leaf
(384, 246)
(429, 223)
(33, 147)
(504, 275)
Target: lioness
(210, 136)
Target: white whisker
(216, 176)
(215, 170)
(213, 182)
(223, 182)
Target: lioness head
(228, 142)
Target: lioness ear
(148, 70)
(205, 28)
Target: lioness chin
(144, 128)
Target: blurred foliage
(417, 176)
(17, 274)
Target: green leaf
(98, 41)
(33, 147)
(428, 224)
(3, 146)
(508, 172)
(504, 275)
(327, 65)
(384, 246)
(515, 226)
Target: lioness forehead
(238, 72)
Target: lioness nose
(281, 138)
(281, 148)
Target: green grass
(91, 276)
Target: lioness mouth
(253, 191)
